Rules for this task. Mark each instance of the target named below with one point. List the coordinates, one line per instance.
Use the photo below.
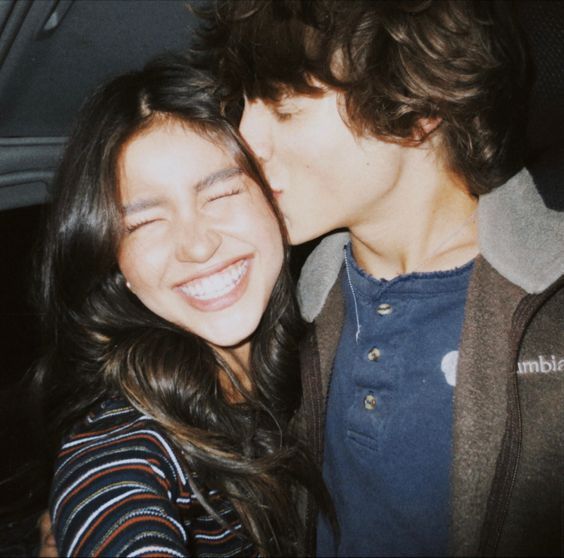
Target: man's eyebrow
(215, 177)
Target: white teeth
(218, 284)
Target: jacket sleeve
(116, 499)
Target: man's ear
(425, 127)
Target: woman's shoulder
(119, 489)
(117, 478)
(117, 439)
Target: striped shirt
(120, 489)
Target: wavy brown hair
(397, 62)
(100, 340)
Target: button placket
(384, 309)
(369, 402)
(374, 354)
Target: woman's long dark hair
(100, 340)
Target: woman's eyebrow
(205, 182)
(141, 205)
(215, 177)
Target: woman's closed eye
(224, 194)
(132, 227)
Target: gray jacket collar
(518, 235)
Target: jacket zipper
(508, 460)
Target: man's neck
(426, 223)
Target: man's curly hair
(460, 62)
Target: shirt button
(374, 354)
(370, 402)
(384, 309)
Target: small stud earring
(128, 285)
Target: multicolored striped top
(120, 489)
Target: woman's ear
(121, 277)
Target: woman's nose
(197, 242)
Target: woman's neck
(238, 360)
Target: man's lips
(217, 288)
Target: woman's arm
(114, 498)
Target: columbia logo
(541, 364)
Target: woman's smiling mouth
(218, 290)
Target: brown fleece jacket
(507, 482)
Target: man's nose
(255, 128)
(197, 241)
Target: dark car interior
(52, 53)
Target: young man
(433, 371)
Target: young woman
(171, 374)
